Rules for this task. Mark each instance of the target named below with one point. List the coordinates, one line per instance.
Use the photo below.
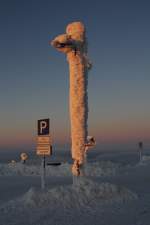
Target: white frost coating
(73, 43)
(78, 106)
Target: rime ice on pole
(73, 44)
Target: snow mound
(84, 193)
(88, 190)
(102, 168)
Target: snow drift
(84, 194)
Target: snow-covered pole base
(77, 172)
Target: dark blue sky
(34, 77)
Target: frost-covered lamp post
(73, 43)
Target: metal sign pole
(140, 150)
(43, 173)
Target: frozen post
(73, 43)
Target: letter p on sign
(43, 127)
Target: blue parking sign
(43, 127)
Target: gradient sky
(34, 77)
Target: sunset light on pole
(73, 43)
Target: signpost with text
(44, 147)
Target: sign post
(44, 147)
(43, 173)
(140, 144)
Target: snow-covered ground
(115, 191)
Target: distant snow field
(112, 192)
(103, 168)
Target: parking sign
(43, 127)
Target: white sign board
(43, 150)
(43, 140)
